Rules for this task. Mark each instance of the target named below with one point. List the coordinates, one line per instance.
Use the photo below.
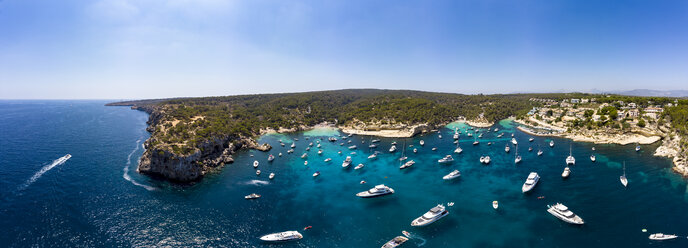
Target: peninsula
(193, 136)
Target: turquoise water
(88, 201)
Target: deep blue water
(88, 201)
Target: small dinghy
(495, 204)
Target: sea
(95, 197)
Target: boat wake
(45, 169)
(414, 236)
(256, 182)
(126, 170)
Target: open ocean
(96, 198)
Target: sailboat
(518, 158)
(570, 160)
(623, 178)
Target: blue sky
(126, 49)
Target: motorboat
(320, 152)
(403, 158)
(661, 236)
(346, 162)
(290, 151)
(531, 181)
(469, 134)
(507, 148)
(452, 175)
(252, 196)
(551, 143)
(317, 173)
(431, 216)
(394, 143)
(257, 172)
(270, 158)
(272, 175)
(517, 159)
(304, 155)
(407, 164)
(363, 182)
(637, 148)
(439, 136)
(415, 150)
(328, 159)
(592, 158)
(513, 141)
(495, 204)
(447, 159)
(486, 160)
(352, 147)
(393, 148)
(375, 141)
(293, 145)
(422, 143)
(318, 146)
(563, 213)
(378, 190)
(280, 154)
(458, 150)
(310, 144)
(530, 149)
(476, 142)
(255, 164)
(282, 236)
(308, 148)
(332, 139)
(395, 242)
(539, 153)
(480, 135)
(434, 149)
(372, 145)
(373, 156)
(456, 135)
(305, 162)
(358, 166)
(566, 173)
(489, 143)
(531, 139)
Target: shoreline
(479, 124)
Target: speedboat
(500, 135)
(551, 143)
(422, 143)
(397, 241)
(407, 164)
(495, 204)
(431, 216)
(592, 157)
(513, 141)
(434, 149)
(373, 156)
(378, 190)
(507, 148)
(394, 143)
(661, 236)
(317, 173)
(352, 147)
(328, 159)
(447, 159)
(415, 150)
(255, 164)
(257, 172)
(531, 181)
(489, 143)
(476, 142)
(280, 154)
(320, 152)
(566, 173)
(304, 155)
(270, 158)
(452, 175)
(310, 144)
(318, 146)
(282, 236)
(272, 175)
(393, 148)
(305, 162)
(346, 162)
(358, 166)
(637, 148)
(308, 148)
(293, 145)
(403, 158)
(531, 139)
(252, 196)
(530, 149)
(563, 213)
(539, 153)
(372, 146)
(458, 150)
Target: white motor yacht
(375, 141)
(487, 160)
(458, 150)
(447, 159)
(434, 149)
(328, 159)
(415, 150)
(252, 196)
(358, 166)
(456, 135)
(255, 164)
(513, 141)
(507, 148)
(393, 148)
(551, 143)
(407, 164)
(452, 175)
(346, 162)
(531, 181)
(539, 153)
(378, 190)
(531, 139)
(320, 152)
(422, 143)
(661, 236)
(304, 155)
(352, 147)
(293, 145)
(395, 242)
(257, 172)
(563, 213)
(517, 159)
(282, 236)
(431, 216)
(495, 205)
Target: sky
(139, 49)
